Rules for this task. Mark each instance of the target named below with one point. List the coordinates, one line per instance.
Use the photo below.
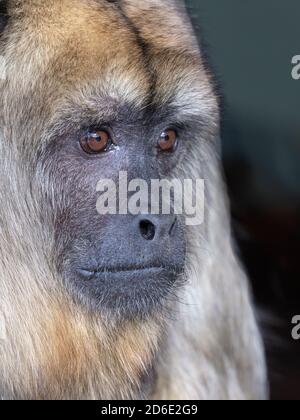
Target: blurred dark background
(250, 45)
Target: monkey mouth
(90, 274)
(125, 292)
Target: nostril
(147, 230)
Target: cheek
(77, 207)
(78, 227)
(75, 180)
(72, 195)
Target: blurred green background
(250, 45)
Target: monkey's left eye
(168, 140)
(95, 142)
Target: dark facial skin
(124, 265)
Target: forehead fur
(131, 51)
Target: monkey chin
(126, 294)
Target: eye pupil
(95, 142)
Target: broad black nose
(156, 228)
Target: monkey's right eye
(95, 142)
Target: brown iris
(95, 142)
(168, 141)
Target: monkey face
(127, 264)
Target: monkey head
(102, 97)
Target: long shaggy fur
(59, 55)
